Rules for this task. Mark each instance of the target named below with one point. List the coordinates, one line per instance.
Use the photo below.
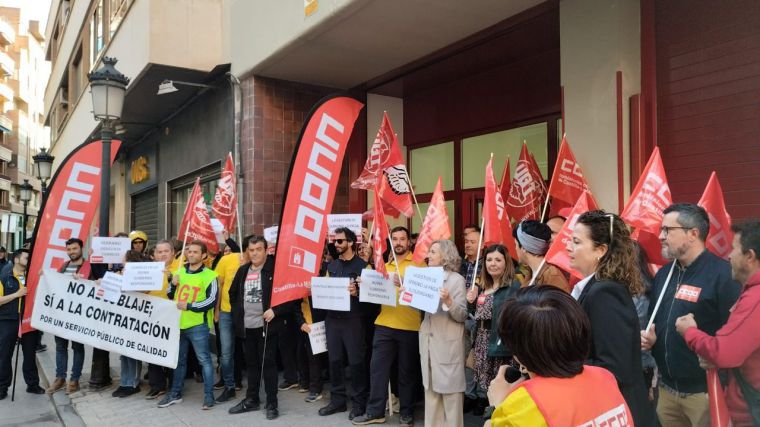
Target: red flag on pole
(379, 236)
(434, 227)
(395, 199)
(644, 210)
(506, 180)
(224, 205)
(198, 219)
(557, 253)
(718, 409)
(496, 226)
(528, 189)
(568, 182)
(720, 237)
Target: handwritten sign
(376, 289)
(318, 338)
(143, 276)
(270, 234)
(109, 250)
(331, 293)
(351, 221)
(422, 288)
(218, 230)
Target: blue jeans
(198, 336)
(130, 372)
(62, 358)
(227, 338)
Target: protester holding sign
(346, 330)
(12, 293)
(195, 291)
(497, 283)
(602, 249)
(396, 338)
(700, 284)
(75, 265)
(549, 334)
(259, 324)
(442, 342)
(157, 374)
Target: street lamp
(25, 196)
(43, 166)
(108, 87)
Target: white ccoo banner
(139, 326)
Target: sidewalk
(86, 408)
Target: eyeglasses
(340, 241)
(665, 229)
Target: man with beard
(701, 284)
(346, 330)
(76, 265)
(396, 335)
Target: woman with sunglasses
(602, 250)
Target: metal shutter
(144, 214)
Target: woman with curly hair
(602, 249)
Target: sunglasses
(340, 241)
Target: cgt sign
(68, 212)
(309, 196)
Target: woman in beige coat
(442, 342)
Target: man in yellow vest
(12, 293)
(396, 335)
(195, 290)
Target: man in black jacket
(259, 324)
(12, 293)
(346, 330)
(701, 284)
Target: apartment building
(24, 75)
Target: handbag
(751, 396)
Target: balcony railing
(6, 63)
(7, 35)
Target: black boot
(480, 407)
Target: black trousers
(389, 345)
(309, 365)
(159, 377)
(347, 334)
(256, 354)
(8, 339)
(287, 345)
(100, 374)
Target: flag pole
(535, 273)
(477, 257)
(546, 204)
(414, 196)
(662, 293)
(237, 205)
(184, 243)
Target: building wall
(273, 113)
(708, 99)
(598, 38)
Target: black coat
(616, 342)
(283, 313)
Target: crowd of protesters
(516, 341)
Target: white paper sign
(422, 286)
(351, 221)
(331, 293)
(377, 289)
(218, 230)
(110, 286)
(270, 234)
(109, 250)
(143, 276)
(139, 326)
(318, 338)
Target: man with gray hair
(701, 284)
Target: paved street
(100, 409)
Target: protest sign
(110, 287)
(109, 250)
(218, 230)
(330, 293)
(139, 326)
(318, 338)
(270, 234)
(143, 276)
(422, 288)
(351, 221)
(376, 289)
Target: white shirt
(576, 293)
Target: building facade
(25, 73)
(168, 139)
